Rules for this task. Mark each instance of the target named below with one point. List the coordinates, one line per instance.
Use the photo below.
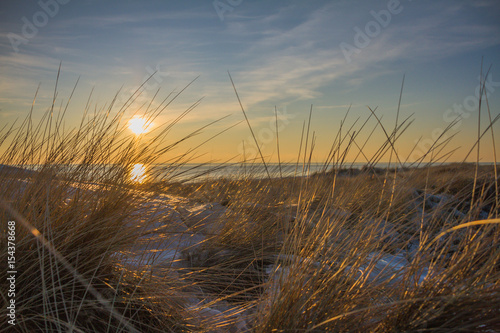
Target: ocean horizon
(188, 172)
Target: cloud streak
(291, 65)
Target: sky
(285, 58)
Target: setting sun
(139, 125)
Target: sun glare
(139, 125)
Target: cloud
(276, 55)
(137, 17)
(28, 61)
(293, 64)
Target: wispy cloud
(292, 64)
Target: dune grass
(371, 250)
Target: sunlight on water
(138, 173)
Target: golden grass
(296, 254)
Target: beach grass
(395, 249)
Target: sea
(195, 172)
(190, 172)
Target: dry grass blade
(249, 126)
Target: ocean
(192, 172)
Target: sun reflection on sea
(138, 173)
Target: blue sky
(288, 54)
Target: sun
(139, 125)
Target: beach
(231, 254)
